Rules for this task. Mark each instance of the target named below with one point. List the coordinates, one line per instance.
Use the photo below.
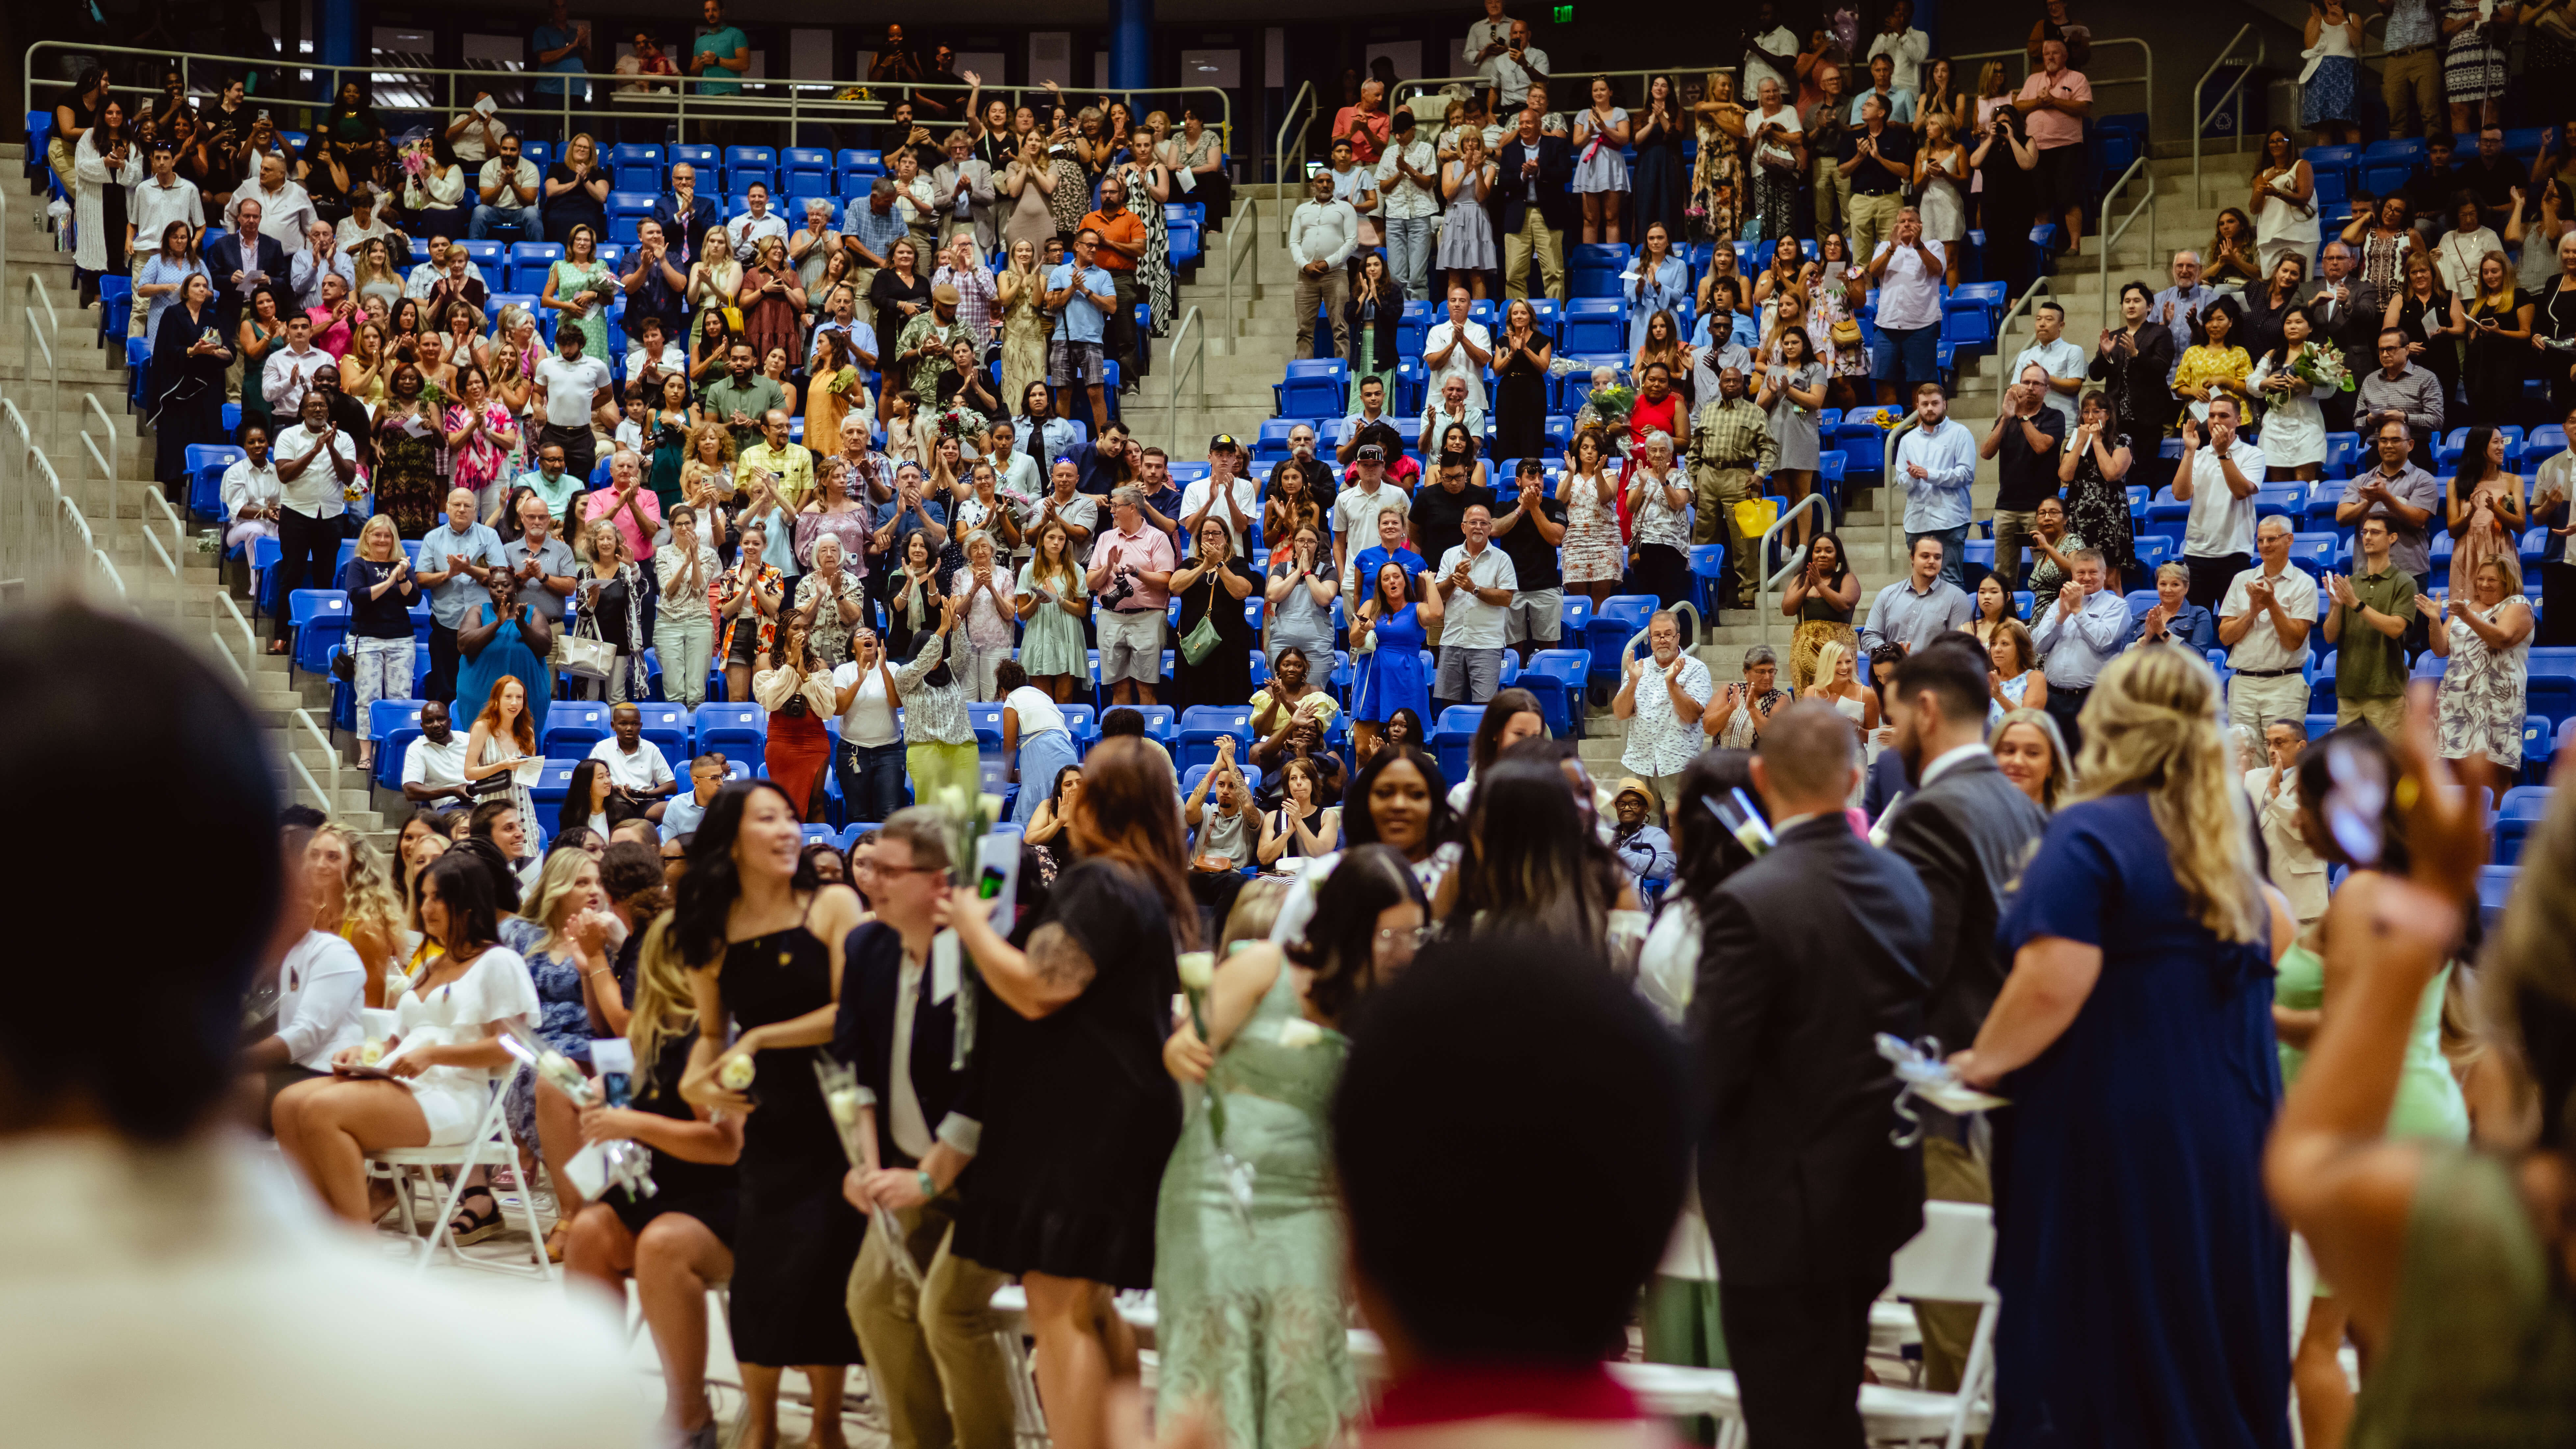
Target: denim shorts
(1906, 355)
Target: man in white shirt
(418, 282)
(1770, 53)
(1487, 39)
(574, 386)
(1408, 188)
(153, 203)
(1372, 410)
(250, 492)
(1448, 409)
(1906, 269)
(433, 767)
(508, 185)
(756, 226)
(1661, 698)
(1322, 233)
(640, 780)
(316, 464)
(1476, 582)
(285, 211)
(1356, 185)
(1900, 42)
(1355, 509)
(1457, 347)
(1520, 67)
(290, 370)
(320, 258)
(2219, 481)
(476, 133)
(2264, 623)
(2064, 361)
(1225, 494)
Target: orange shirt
(1126, 229)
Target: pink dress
(2485, 538)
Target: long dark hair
(712, 883)
(1842, 556)
(1127, 818)
(464, 886)
(1535, 871)
(1340, 944)
(1499, 711)
(2473, 458)
(1360, 828)
(1706, 851)
(575, 809)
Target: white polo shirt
(641, 770)
(1467, 621)
(2261, 648)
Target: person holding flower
(2287, 379)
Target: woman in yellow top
(2214, 365)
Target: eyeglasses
(909, 869)
(1414, 936)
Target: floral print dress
(1716, 207)
(2480, 709)
(1593, 551)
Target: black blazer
(223, 258)
(863, 1034)
(1554, 184)
(2141, 403)
(1805, 956)
(1967, 835)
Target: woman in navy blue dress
(2143, 1277)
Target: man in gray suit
(1806, 955)
(1966, 830)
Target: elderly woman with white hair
(986, 592)
(813, 242)
(1659, 503)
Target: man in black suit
(2344, 320)
(685, 217)
(1966, 830)
(931, 1349)
(1540, 169)
(1806, 955)
(241, 263)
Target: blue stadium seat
(571, 727)
(2495, 887)
(1453, 736)
(206, 465)
(635, 166)
(1595, 325)
(552, 786)
(807, 170)
(741, 731)
(1558, 677)
(2551, 688)
(529, 261)
(1202, 725)
(1313, 387)
(321, 621)
(704, 158)
(1618, 619)
(666, 726)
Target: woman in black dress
(2132, 363)
(1213, 586)
(679, 1241)
(1078, 1120)
(1659, 180)
(899, 292)
(766, 958)
(2094, 466)
(188, 362)
(2005, 160)
(1521, 356)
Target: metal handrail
(1796, 561)
(2145, 77)
(1247, 226)
(2027, 302)
(223, 646)
(1181, 369)
(178, 530)
(2111, 234)
(1698, 627)
(53, 370)
(2200, 116)
(792, 100)
(1890, 492)
(1289, 174)
(43, 518)
(330, 753)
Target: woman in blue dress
(1390, 629)
(2143, 1278)
(504, 637)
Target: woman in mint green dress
(1051, 602)
(578, 288)
(2428, 1106)
(1248, 1254)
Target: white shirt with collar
(320, 987)
(495, 173)
(2221, 523)
(245, 485)
(1458, 363)
(152, 207)
(1247, 500)
(750, 231)
(1322, 231)
(288, 376)
(1470, 622)
(1513, 79)
(316, 492)
(2261, 646)
(1781, 41)
(641, 770)
(432, 765)
(2062, 359)
(673, 359)
(1488, 30)
(1909, 293)
(306, 270)
(1400, 197)
(283, 213)
(418, 282)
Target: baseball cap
(1224, 443)
(1371, 453)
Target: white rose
(1198, 968)
(1296, 1034)
(737, 1074)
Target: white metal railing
(1796, 560)
(178, 545)
(1192, 331)
(1302, 106)
(2027, 302)
(223, 645)
(1247, 229)
(793, 102)
(52, 539)
(2111, 233)
(2200, 115)
(303, 718)
(1891, 494)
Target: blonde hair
(393, 540)
(2060, 778)
(665, 1003)
(1827, 659)
(553, 888)
(2151, 727)
(1256, 909)
(367, 898)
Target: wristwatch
(929, 1184)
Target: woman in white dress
(98, 214)
(441, 1060)
(2284, 202)
(2294, 427)
(2486, 684)
(1940, 169)
(1601, 163)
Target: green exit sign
(1565, 15)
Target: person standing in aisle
(1321, 235)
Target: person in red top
(1658, 409)
(1364, 124)
(1423, 1150)
(1122, 241)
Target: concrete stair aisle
(132, 527)
(1247, 344)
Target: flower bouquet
(1616, 401)
(622, 1163)
(955, 421)
(2322, 368)
(1884, 419)
(1923, 1072)
(843, 1097)
(968, 819)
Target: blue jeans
(872, 779)
(1954, 553)
(1408, 254)
(531, 227)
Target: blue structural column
(336, 40)
(1131, 44)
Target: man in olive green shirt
(2367, 626)
(742, 397)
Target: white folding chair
(1948, 1262)
(488, 1145)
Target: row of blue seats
(2378, 168)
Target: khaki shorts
(1535, 615)
(1131, 645)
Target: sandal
(556, 1238)
(471, 1226)
(277, 646)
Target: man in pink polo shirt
(1131, 576)
(2055, 101)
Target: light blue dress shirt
(1948, 456)
(2076, 648)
